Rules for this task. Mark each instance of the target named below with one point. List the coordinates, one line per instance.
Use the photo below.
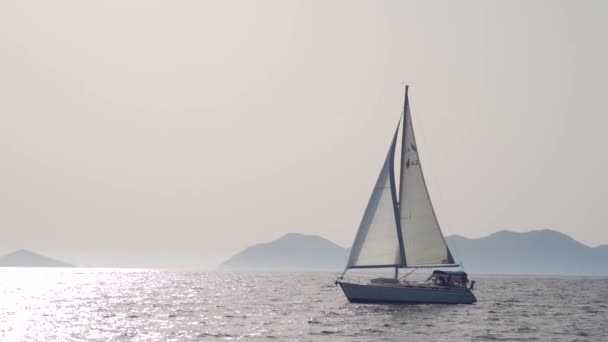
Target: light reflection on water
(147, 305)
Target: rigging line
(403, 143)
(408, 273)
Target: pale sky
(176, 133)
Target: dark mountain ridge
(505, 252)
(536, 252)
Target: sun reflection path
(45, 304)
(153, 305)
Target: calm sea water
(101, 305)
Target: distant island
(505, 252)
(25, 258)
(290, 252)
(535, 252)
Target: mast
(398, 196)
(395, 199)
(403, 143)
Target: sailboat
(400, 230)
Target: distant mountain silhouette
(25, 258)
(504, 252)
(535, 252)
(292, 251)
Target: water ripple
(148, 305)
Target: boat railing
(364, 280)
(353, 279)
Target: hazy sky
(179, 132)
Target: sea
(38, 304)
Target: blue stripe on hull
(383, 301)
(379, 294)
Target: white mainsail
(402, 233)
(377, 241)
(423, 240)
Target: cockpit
(449, 278)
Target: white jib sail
(377, 242)
(423, 240)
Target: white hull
(406, 294)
